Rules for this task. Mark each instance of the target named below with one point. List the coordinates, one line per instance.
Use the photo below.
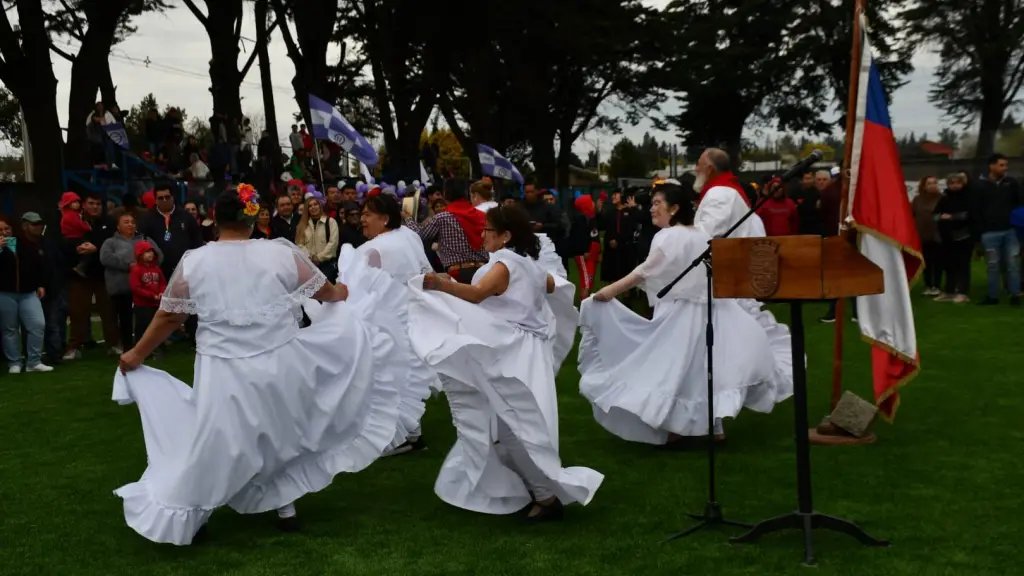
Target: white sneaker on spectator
(39, 368)
(14, 369)
(115, 351)
(73, 354)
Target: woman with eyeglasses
(492, 343)
(275, 411)
(647, 379)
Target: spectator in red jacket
(779, 213)
(148, 284)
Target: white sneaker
(39, 368)
(14, 369)
(73, 354)
(115, 351)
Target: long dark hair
(514, 220)
(674, 195)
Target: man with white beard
(722, 201)
(721, 204)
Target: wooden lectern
(794, 269)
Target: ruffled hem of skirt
(312, 473)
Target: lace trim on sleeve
(179, 306)
(310, 287)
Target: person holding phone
(22, 281)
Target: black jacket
(991, 204)
(549, 217)
(102, 229)
(350, 235)
(583, 232)
(174, 237)
(21, 271)
(281, 228)
(807, 209)
(958, 205)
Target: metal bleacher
(129, 174)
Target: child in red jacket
(73, 226)
(147, 283)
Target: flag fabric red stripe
(880, 212)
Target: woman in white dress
(274, 412)
(398, 251)
(647, 379)
(491, 341)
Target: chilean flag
(880, 212)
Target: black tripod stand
(712, 515)
(804, 517)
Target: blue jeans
(55, 310)
(16, 310)
(1002, 248)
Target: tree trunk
(314, 25)
(262, 38)
(564, 156)
(992, 112)
(544, 162)
(28, 74)
(468, 143)
(87, 76)
(44, 136)
(225, 78)
(108, 92)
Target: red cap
(149, 199)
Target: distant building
(936, 149)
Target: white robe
(402, 257)
(275, 411)
(648, 378)
(495, 359)
(719, 209)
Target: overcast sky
(178, 50)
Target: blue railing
(133, 174)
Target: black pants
(122, 304)
(832, 308)
(958, 266)
(934, 263)
(143, 317)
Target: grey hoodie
(117, 256)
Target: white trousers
(518, 460)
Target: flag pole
(851, 122)
(316, 150)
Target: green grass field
(942, 483)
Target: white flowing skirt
(781, 345)
(257, 433)
(648, 378)
(364, 282)
(492, 370)
(561, 301)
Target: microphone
(799, 168)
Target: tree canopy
(981, 68)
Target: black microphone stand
(712, 514)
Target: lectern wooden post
(794, 269)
